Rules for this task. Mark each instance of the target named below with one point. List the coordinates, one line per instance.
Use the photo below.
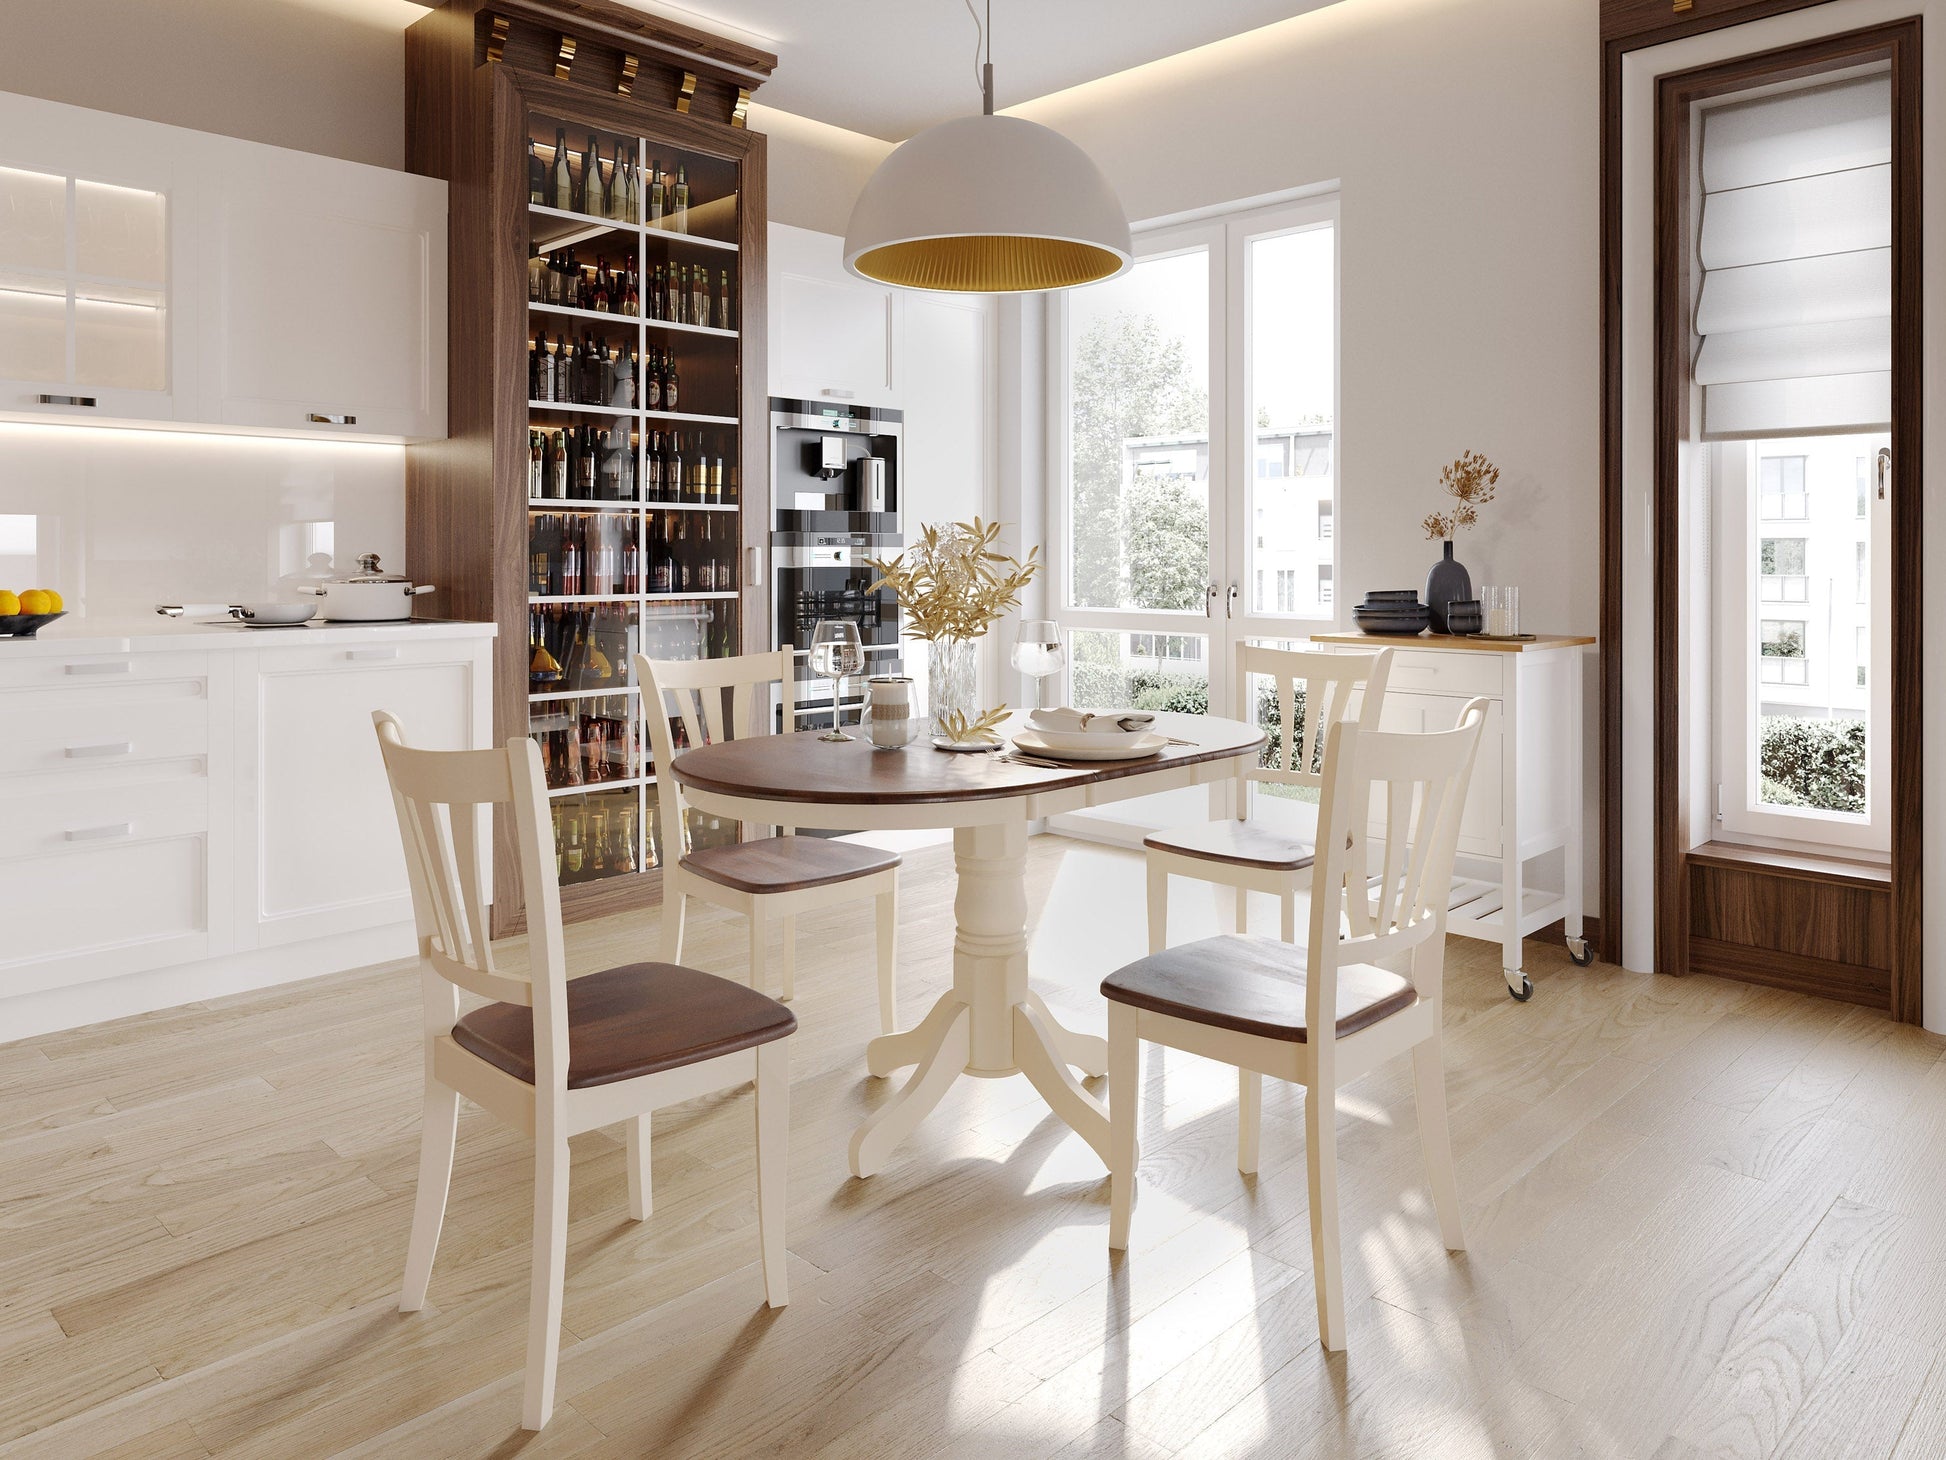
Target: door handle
(328, 420)
(1209, 601)
(1230, 602)
(112, 666)
(371, 653)
(69, 400)
(1883, 470)
(106, 747)
(753, 576)
(100, 833)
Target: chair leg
(759, 944)
(1429, 1094)
(1321, 1157)
(1243, 909)
(773, 1161)
(550, 1268)
(787, 957)
(641, 1195)
(1124, 1110)
(438, 1133)
(888, 960)
(1250, 1119)
(674, 908)
(1158, 907)
(1287, 929)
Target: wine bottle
(705, 559)
(655, 192)
(594, 196)
(534, 466)
(537, 279)
(684, 570)
(716, 474)
(585, 482)
(534, 356)
(631, 567)
(536, 174)
(617, 188)
(699, 296)
(679, 204)
(670, 384)
(672, 294)
(661, 562)
(557, 278)
(725, 316)
(625, 375)
(598, 291)
(559, 478)
(672, 468)
(652, 383)
(726, 561)
(570, 281)
(563, 197)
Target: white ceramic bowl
(1087, 739)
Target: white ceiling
(889, 68)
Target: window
(1780, 562)
(1179, 647)
(1863, 471)
(1324, 521)
(1286, 589)
(1781, 483)
(1324, 583)
(1780, 643)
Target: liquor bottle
(623, 859)
(574, 856)
(716, 474)
(558, 475)
(670, 383)
(563, 197)
(585, 466)
(598, 293)
(683, 573)
(631, 295)
(725, 316)
(557, 279)
(726, 560)
(536, 174)
(655, 285)
(625, 375)
(656, 199)
(672, 468)
(652, 383)
(536, 353)
(679, 204)
(672, 294)
(662, 576)
(699, 296)
(618, 195)
(705, 559)
(631, 567)
(535, 466)
(537, 279)
(594, 196)
(570, 556)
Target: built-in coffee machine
(835, 485)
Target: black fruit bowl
(1409, 619)
(26, 625)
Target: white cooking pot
(368, 597)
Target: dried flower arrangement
(984, 725)
(951, 583)
(1469, 481)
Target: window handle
(1230, 602)
(1883, 469)
(1209, 601)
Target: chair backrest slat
(1313, 691)
(1420, 782)
(700, 688)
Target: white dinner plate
(1115, 747)
(1085, 739)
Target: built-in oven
(836, 481)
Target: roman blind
(1795, 312)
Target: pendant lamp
(988, 205)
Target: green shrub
(1818, 763)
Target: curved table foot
(889, 1052)
(893, 1121)
(1088, 1053)
(1038, 1050)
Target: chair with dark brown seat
(774, 877)
(552, 1055)
(1325, 1013)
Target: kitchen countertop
(1473, 643)
(77, 634)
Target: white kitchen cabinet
(98, 271)
(324, 301)
(833, 336)
(192, 812)
(319, 845)
(1524, 801)
(152, 275)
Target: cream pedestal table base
(991, 1023)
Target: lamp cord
(983, 36)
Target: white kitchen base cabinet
(191, 813)
(1524, 801)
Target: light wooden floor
(1706, 1220)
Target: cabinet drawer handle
(836, 394)
(371, 653)
(111, 666)
(100, 833)
(106, 747)
(319, 420)
(68, 400)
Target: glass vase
(949, 681)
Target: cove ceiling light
(988, 205)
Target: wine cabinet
(604, 490)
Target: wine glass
(836, 651)
(1038, 653)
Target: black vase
(1447, 580)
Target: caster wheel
(1522, 994)
(1581, 952)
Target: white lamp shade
(988, 204)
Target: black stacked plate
(1392, 611)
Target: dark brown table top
(801, 767)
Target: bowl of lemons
(24, 614)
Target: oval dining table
(991, 1023)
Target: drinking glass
(1038, 653)
(1502, 610)
(836, 651)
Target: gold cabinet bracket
(497, 42)
(688, 92)
(1682, 5)
(626, 85)
(564, 59)
(741, 116)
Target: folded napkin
(1098, 722)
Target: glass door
(1195, 401)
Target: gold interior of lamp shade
(988, 263)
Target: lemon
(35, 600)
(9, 603)
(54, 604)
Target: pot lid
(368, 572)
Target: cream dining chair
(769, 877)
(1324, 1013)
(555, 1055)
